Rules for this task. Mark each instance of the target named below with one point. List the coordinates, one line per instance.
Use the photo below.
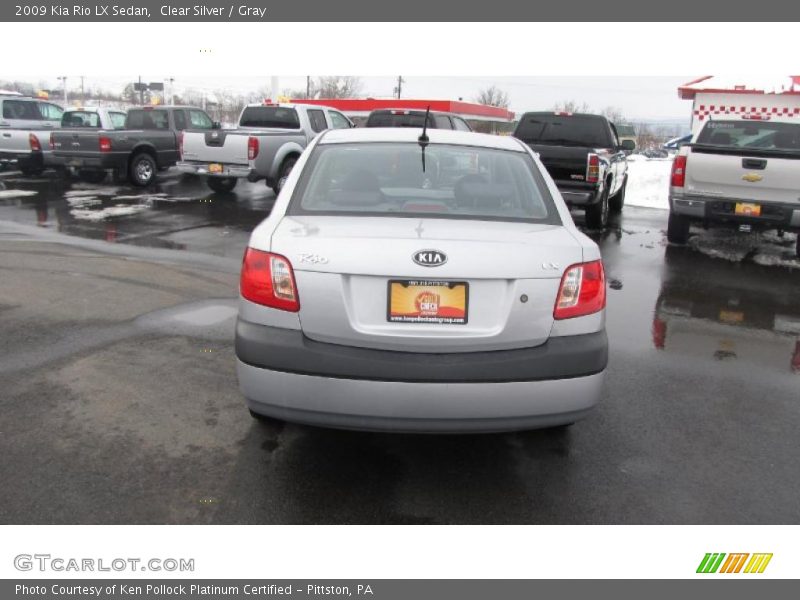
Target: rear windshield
(563, 130)
(273, 117)
(764, 135)
(147, 119)
(387, 180)
(389, 119)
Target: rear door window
(396, 119)
(148, 119)
(270, 117)
(442, 122)
(317, 120)
(180, 120)
(460, 124)
(50, 112)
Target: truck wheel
(617, 201)
(677, 229)
(142, 170)
(597, 213)
(286, 169)
(92, 176)
(222, 185)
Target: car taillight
(582, 291)
(52, 141)
(268, 279)
(105, 143)
(252, 148)
(34, 142)
(592, 168)
(180, 144)
(678, 178)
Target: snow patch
(120, 210)
(648, 182)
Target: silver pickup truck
(266, 144)
(740, 173)
(25, 126)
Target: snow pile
(648, 182)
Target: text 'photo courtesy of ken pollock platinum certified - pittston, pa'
(116, 10)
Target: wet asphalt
(119, 400)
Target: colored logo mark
(719, 562)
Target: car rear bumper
(721, 210)
(22, 160)
(198, 168)
(98, 163)
(285, 375)
(578, 195)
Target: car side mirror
(216, 125)
(628, 145)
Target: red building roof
(363, 106)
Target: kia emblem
(429, 258)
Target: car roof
(411, 134)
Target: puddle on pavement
(159, 216)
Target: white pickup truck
(742, 172)
(25, 126)
(266, 144)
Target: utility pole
(308, 86)
(141, 91)
(171, 92)
(399, 89)
(83, 94)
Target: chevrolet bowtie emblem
(752, 177)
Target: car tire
(617, 201)
(283, 174)
(222, 185)
(597, 213)
(92, 176)
(678, 229)
(142, 170)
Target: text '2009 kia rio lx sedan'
(421, 281)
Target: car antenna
(423, 140)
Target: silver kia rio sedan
(421, 281)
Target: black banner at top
(407, 10)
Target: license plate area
(215, 168)
(427, 301)
(747, 209)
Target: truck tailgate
(216, 146)
(73, 142)
(738, 175)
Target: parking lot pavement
(120, 403)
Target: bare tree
(492, 96)
(571, 106)
(336, 86)
(614, 114)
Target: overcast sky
(637, 97)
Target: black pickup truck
(584, 156)
(149, 142)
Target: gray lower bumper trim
(290, 351)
